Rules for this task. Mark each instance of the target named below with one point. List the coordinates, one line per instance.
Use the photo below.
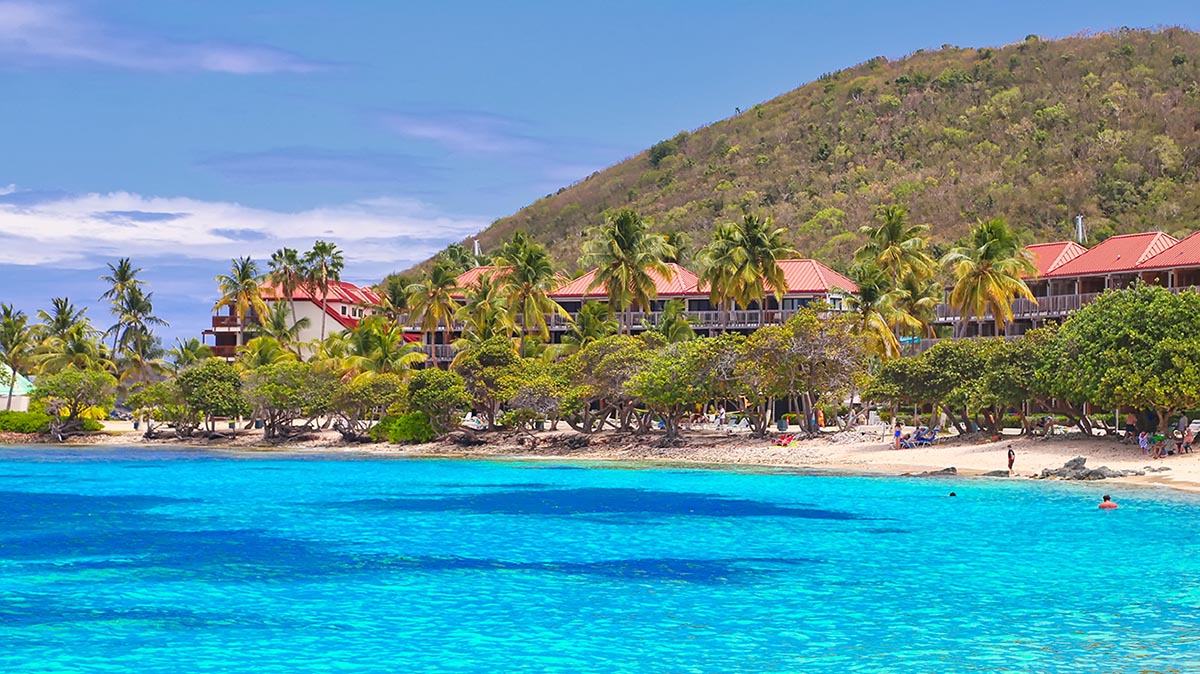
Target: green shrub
(405, 428)
(91, 425)
(24, 422)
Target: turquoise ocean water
(146, 561)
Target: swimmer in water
(1107, 503)
(953, 494)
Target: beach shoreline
(858, 453)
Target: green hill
(1107, 126)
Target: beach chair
(784, 440)
(927, 440)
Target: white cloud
(463, 132)
(50, 31)
(378, 235)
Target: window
(343, 309)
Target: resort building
(1070, 276)
(21, 389)
(345, 306)
(806, 281)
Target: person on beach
(896, 436)
(1107, 503)
(1131, 429)
(1012, 457)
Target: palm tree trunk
(324, 309)
(12, 384)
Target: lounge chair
(784, 440)
(926, 440)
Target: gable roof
(1050, 256)
(1186, 253)
(470, 278)
(1116, 254)
(341, 292)
(681, 282)
(810, 276)
(21, 387)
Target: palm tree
(380, 348)
(134, 310)
(121, 278)
(432, 300)
(624, 255)
(187, 353)
(141, 358)
(61, 320)
(241, 291)
(762, 246)
(17, 343)
(593, 322)
(485, 312)
(324, 265)
(873, 309)
(393, 298)
(720, 264)
(287, 273)
(78, 347)
(896, 247)
(281, 327)
(528, 282)
(680, 243)
(989, 273)
(674, 325)
(261, 351)
(917, 301)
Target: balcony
(224, 351)
(225, 323)
(1050, 306)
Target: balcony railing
(225, 322)
(1050, 306)
(224, 351)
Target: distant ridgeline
(1107, 126)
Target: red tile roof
(470, 278)
(1186, 253)
(1050, 256)
(1116, 254)
(340, 292)
(810, 276)
(681, 282)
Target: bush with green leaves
(363, 402)
(24, 422)
(441, 395)
(68, 394)
(413, 427)
(289, 391)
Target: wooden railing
(225, 322)
(1050, 306)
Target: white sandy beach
(830, 452)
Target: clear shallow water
(161, 561)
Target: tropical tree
(62, 319)
(380, 348)
(528, 281)
(67, 394)
(679, 244)
(187, 353)
(720, 265)
(484, 312)
(17, 343)
(262, 351)
(432, 300)
(673, 324)
(762, 245)
(241, 291)
(895, 246)
(393, 298)
(286, 272)
(281, 327)
(624, 256)
(323, 265)
(135, 317)
(79, 348)
(917, 300)
(873, 309)
(989, 273)
(121, 279)
(140, 360)
(593, 322)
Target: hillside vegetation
(1107, 126)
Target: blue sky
(186, 133)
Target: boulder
(996, 473)
(1076, 463)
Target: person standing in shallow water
(1012, 457)
(1107, 503)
